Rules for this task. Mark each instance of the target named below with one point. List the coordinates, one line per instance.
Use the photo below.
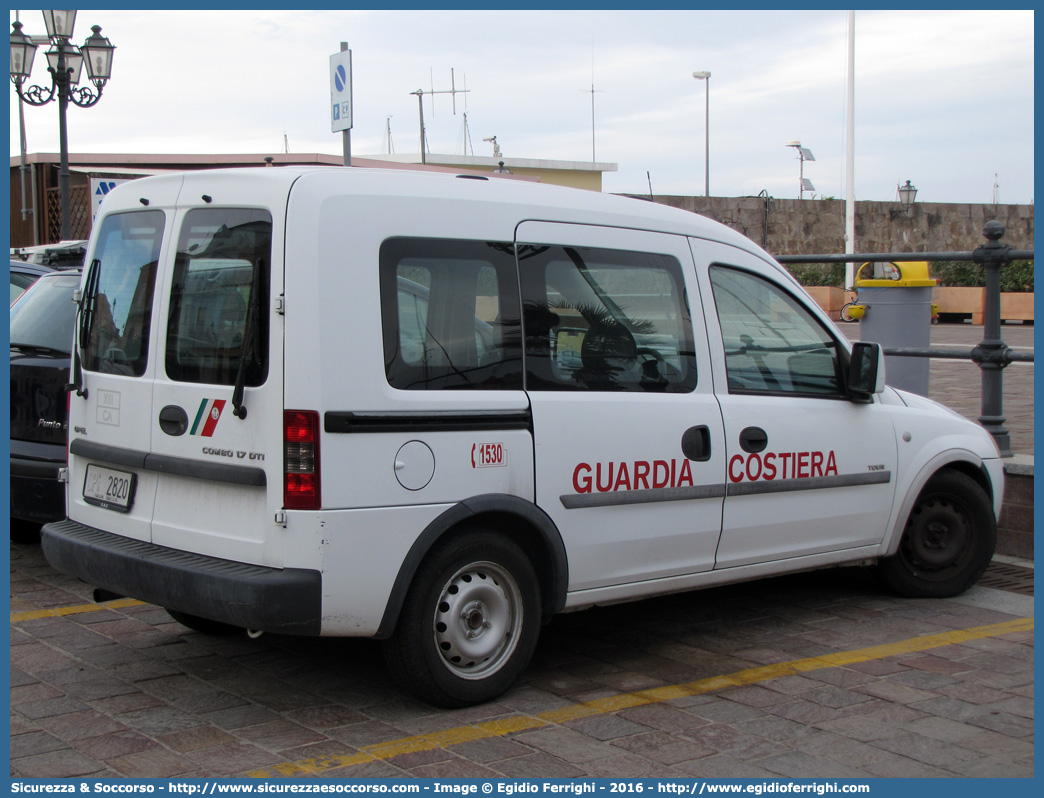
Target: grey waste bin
(897, 302)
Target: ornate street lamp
(907, 194)
(65, 63)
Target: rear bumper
(278, 600)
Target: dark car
(42, 322)
(24, 275)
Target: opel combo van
(437, 410)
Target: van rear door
(114, 362)
(216, 415)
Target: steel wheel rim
(477, 620)
(937, 542)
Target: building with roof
(36, 206)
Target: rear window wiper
(88, 302)
(253, 318)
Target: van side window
(117, 306)
(450, 315)
(605, 320)
(773, 345)
(221, 269)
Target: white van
(437, 410)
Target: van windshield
(119, 307)
(222, 266)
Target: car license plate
(109, 488)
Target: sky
(943, 98)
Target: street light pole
(706, 131)
(65, 64)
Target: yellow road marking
(59, 612)
(601, 706)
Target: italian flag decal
(207, 417)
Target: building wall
(803, 227)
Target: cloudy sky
(935, 104)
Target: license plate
(109, 488)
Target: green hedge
(810, 274)
(1016, 277)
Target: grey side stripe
(575, 501)
(810, 483)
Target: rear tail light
(301, 460)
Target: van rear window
(450, 314)
(118, 302)
(218, 316)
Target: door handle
(696, 444)
(753, 440)
(173, 420)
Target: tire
(203, 625)
(844, 312)
(24, 531)
(469, 623)
(948, 540)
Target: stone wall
(1015, 526)
(803, 227)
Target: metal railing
(991, 355)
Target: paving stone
(325, 717)
(232, 758)
(1016, 705)
(107, 747)
(662, 747)
(773, 728)
(565, 744)
(195, 738)
(49, 707)
(755, 696)
(986, 768)
(798, 764)
(891, 765)
(608, 727)
(453, 769)
(547, 766)
(38, 742)
(153, 763)
(491, 749)
(79, 725)
(427, 756)
(1004, 723)
(835, 697)
(723, 766)
(925, 749)
(58, 764)
(891, 690)
(665, 718)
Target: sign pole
(346, 135)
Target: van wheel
(469, 623)
(203, 625)
(948, 541)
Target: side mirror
(866, 372)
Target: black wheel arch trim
(556, 582)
